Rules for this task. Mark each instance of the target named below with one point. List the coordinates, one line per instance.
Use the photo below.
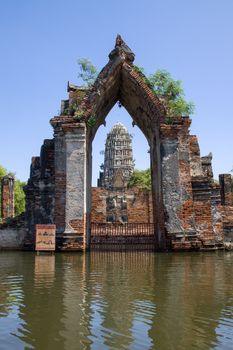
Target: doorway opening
(121, 205)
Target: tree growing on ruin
(87, 71)
(19, 197)
(169, 91)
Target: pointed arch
(119, 81)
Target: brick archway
(119, 81)
(59, 188)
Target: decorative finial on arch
(119, 40)
(122, 50)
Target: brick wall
(138, 208)
(98, 210)
(40, 191)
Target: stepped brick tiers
(186, 210)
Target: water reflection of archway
(180, 299)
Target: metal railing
(127, 229)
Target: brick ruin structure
(188, 210)
(7, 197)
(133, 205)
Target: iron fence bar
(128, 229)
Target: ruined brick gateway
(189, 211)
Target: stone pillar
(225, 189)
(59, 179)
(75, 204)
(170, 181)
(176, 179)
(157, 192)
(70, 183)
(7, 204)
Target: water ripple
(117, 301)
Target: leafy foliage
(72, 108)
(140, 178)
(88, 72)
(142, 73)
(91, 122)
(170, 91)
(19, 197)
(164, 85)
(78, 114)
(3, 171)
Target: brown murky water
(116, 301)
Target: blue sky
(41, 41)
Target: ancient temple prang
(118, 159)
(189, 210)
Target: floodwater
(116, 300)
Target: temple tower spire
(118, 159)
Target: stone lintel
(62, 125)
(73, 126)
(180, 126)
(8, 178)
(73, 87)
(57, 121)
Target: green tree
(140, 178)
(3, 171)
(164, 85)
(170, 91)
(19, 197)
(88, 72)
